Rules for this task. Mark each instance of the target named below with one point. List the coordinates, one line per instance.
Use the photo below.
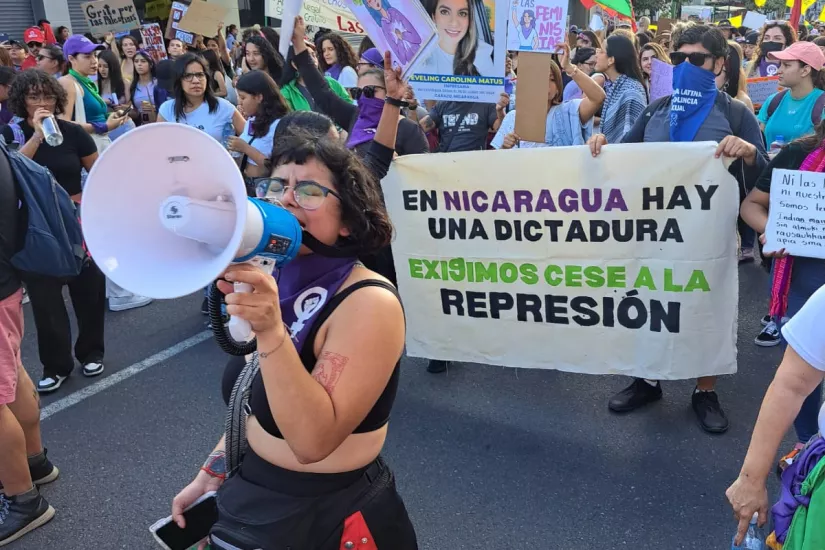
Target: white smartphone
(200, 517)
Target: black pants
(54, 332)
(264, 506)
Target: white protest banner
(329, 14)
(537, 25)
(529, 257)
(796, 217)
(113, 16)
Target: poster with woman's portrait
(466, 62)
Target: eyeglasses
(695, 58)
(191, 77)
(591, 64)
(41, 57)
(34, 44)
(366, 91)
(309, 195)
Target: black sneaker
(18, 518)
(41, 468)
(709, 412)
(50, 383)
(766, 320)
(769, 336)
(636, 395)
(435, 366)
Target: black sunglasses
(366, 91)
(41, 57)
(695, 58)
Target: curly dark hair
(362, 205)
(343, 51)
(35, 81)
(273, 106)
(272, 59)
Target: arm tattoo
(328, 370)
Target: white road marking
(122, 375)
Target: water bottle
(51, 131)
(754, 538)
(776, 146)
(229, 131)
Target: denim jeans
(807, 276)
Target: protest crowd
(317, 130)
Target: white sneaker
(122, 303)
(93, 369)
(50, 384)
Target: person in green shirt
(294, 90)
(800, 71)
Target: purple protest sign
(661, 79)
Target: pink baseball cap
(806, 52)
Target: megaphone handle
(240, 329)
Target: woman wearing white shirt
(801, 373)
(261, 100)
(338, 60)
(460, 50)
(195, 105)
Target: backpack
(816, 112)
(53, 242)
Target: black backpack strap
(775, 101)
(245, 159)
(308, 352)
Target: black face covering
(768, 47)
(326, 250)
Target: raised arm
(594, 95)
(342, 112)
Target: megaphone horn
(165, 212)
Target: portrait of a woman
(460, 51)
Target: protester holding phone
(145, 92)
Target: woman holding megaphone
(299, 465)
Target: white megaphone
(165, 211)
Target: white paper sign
(796, 217)
(588, 267)
(754, 20)
(596, 23)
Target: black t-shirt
(410, 140)
(789, 158)
(10, 218)
(64, 160)
(463, 126)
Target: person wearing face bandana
(361, 120)
(696, 112)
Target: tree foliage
(647, 7)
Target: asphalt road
(486, 457)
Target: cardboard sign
(172, 30)
(202, 18)
(153, 41)
(531, 99)
(796, 212)
(663, 26)
(105, 16)
(761, 88)
(504, 255)
(754, 20)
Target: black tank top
(378, 416)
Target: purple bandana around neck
(335, 71)
(526, 30)
(369, 114)
(305, 285)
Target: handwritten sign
(113, 16)
(152, 38)
(796, 217)
(761, 88)
(537, 25)
(173, 30)
(661, 79)
(329, 14)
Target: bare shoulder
(370, 296)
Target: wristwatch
(396, 102)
